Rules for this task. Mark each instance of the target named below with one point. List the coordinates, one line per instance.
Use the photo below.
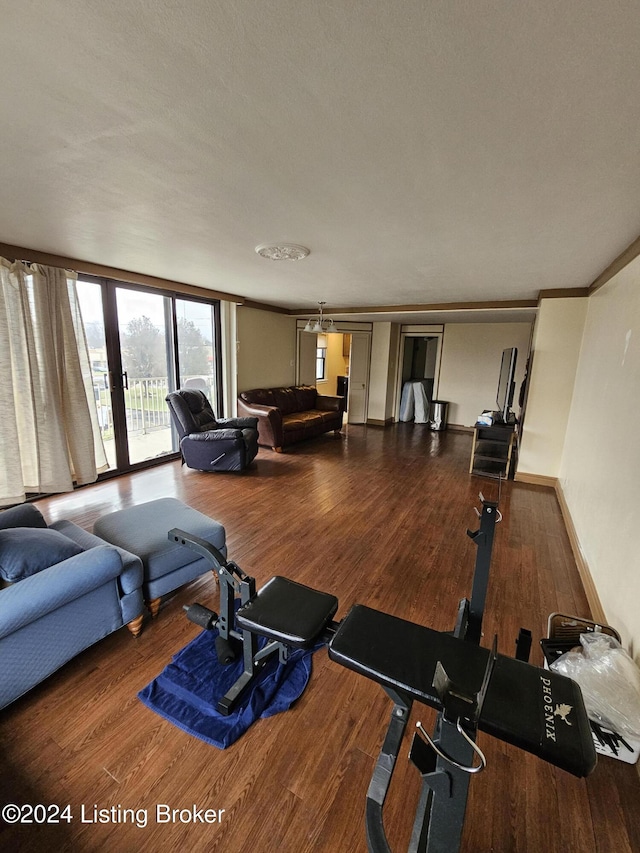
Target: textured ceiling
(425, 152)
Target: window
(321, 362)
(144, 343)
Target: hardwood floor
(378, 517)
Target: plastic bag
(609, 680)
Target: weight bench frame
(442, 805)
(445, 760)
(231, 626)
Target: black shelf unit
(492, 454)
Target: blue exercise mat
(188, 689)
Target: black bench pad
(288, 612)
(534, 709)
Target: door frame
(109, 288)
(345, 328)
(416, 331)
(367, 366)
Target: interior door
(359, 377)
(307, 344)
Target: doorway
(419, 366)
(335, 363)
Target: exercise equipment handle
(466, 768)
(200, 546)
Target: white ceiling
(425, 152)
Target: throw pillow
(24, 551)
(23, 515)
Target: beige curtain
(50, 438)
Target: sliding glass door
(198, 355)
(148, 372)
(144, 343)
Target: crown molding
(624, 258)
(263, 306)
(20, 253)
(417, 308)
(563, 293)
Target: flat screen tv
(506, 385)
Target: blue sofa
(48, 617)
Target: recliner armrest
(238, 423)
(214, 435)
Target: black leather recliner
(208, 443)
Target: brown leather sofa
(288, 415)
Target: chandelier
(317, 324)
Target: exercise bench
(288, 614)
(473, 688)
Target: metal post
(483, 538)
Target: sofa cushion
(292, 423)
(24, 551)
(311, 420)
(306, 396)
(330, 417)
(285, 400)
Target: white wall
(556, 349)
(406, 359)
(266, 349)
(470, 366)
(600, 468)
(430, 361)
(384, 368)
(392, 372)
(228, 329)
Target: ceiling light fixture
(282, 251)
(317, 324)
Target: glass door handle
(125, 381)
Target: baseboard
(597, 610)
(390, 421)
(593, 599)
(536, 479)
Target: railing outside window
(145, 403)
